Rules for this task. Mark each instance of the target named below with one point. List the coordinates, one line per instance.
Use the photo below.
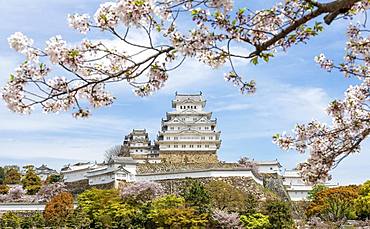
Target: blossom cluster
(142, 191)
(226, 220)
(329, 144)
(91, 65)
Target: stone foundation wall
(171, 167)
(77, 187)
(188, 157)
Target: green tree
(12, 176)
(171, 211)
(316, 189)
(255, 221)
(36, 220)
(10, 219)
(279, 214)
(196, 196)
(58, 209)
(362, 203)
(53, 178)
(31, 182)
(226, 197)
(4, 189)
(94, 202)
(2, 175)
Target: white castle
(186, 146)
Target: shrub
(58, 209)
(31, 182)
(12, 176)
(4, 189)
(279, 214)
(255, 221)
(362, 203)
(170, 211)
(196, 196)
(226, 197)
(10, 219)
(334, 204)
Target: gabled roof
(275, 162)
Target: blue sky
(290, 89)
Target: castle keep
(186, 147)
(188, 135)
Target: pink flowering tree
(206, 30)
(215, 28)
(142, 191)
(224, 219)
(350, 117)
(47, 192)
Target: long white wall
(198, 174)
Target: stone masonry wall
(188, 157)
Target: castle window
(203, 138)
(171, 128)
(195, 107)
(176, 138)
(210, 138)
(168, 138)
(199, 146)
(176, 146)
(207, 146)
(183, 146)
(207, 128)
(191, 146)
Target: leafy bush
(171, 211)
(226, 197)
(58, 209)
(279, 214)
(334, 204)
(10, 219)
(31, 182)
(4, 189)
(255, 221)
(12, 176)
(196, 196)
(362, 203)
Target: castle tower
(139, 146)
(189, 134)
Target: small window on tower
(183, 146)
(195, 107)
(207, 146)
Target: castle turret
(189, 134)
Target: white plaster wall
(268, 168)
(201, 174)
(298, 195)
(75, 175)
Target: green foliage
(10, 219)
(279, 214)
(53, 178)
(196, 196)
(31, 182)
(362, 203)
(4, 189)
(316, 189)
(12, 176)
(35, 220)
(171, 211)
(226, 197)
(93, 204)
(255, 221)
(2, 175)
